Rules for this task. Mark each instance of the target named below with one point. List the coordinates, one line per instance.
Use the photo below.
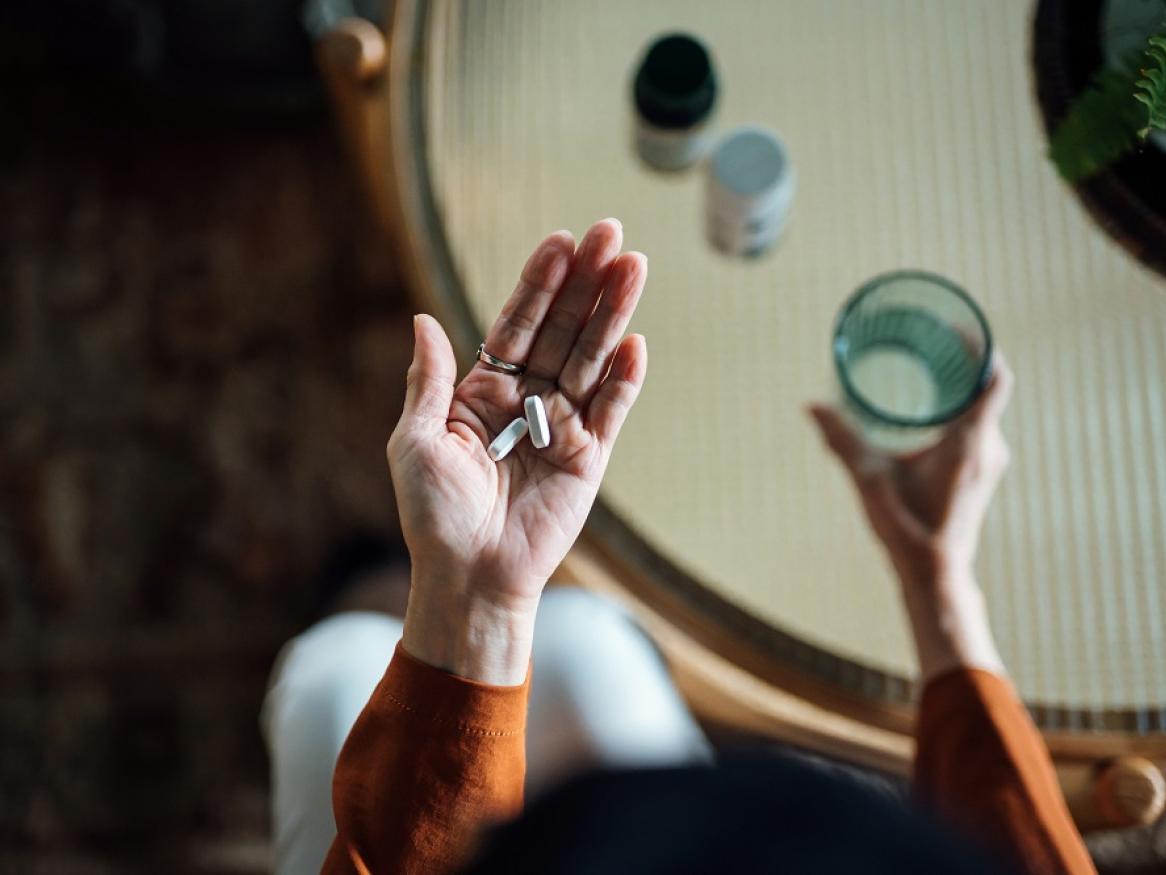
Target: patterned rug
(201, 357)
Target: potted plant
(1100, 76)
(1123, 104)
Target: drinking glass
(912, 351)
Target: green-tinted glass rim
(839, 347)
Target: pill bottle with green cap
(748, 191)
(674, 91)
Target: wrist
(469, 627)
(949, 623)
(933, 567)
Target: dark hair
(746, 815)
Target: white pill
(536, 421)
(507, 440)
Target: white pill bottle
(749, 190)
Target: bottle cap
(675, 86)
(752, 169)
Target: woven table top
(917, 143)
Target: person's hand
(485, 536)
(927, 508)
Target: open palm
(507, 525)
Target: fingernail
(614, 221)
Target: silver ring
(504, 367)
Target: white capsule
(507, 440)
(536, 421)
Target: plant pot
(1071, 41)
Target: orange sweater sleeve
(431, 759)
(982, 764)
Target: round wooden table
(917, 143)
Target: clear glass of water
(912, 351)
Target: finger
(430, 382)
(885, 510)
(999, 391)
(843, 440)
(601, 335)
(574, 303)
(990, 406)
(618, 392)
(512, 335)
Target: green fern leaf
(1151, 88)
(1100, 127)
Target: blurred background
(201, 357)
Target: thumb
(430, 382)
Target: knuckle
(624, 395)
(422, 384)
(619, 398)
(970, 469)
(592, 348)
(563, 320)
(518, 322)
(998, 449)
(1004, 455)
